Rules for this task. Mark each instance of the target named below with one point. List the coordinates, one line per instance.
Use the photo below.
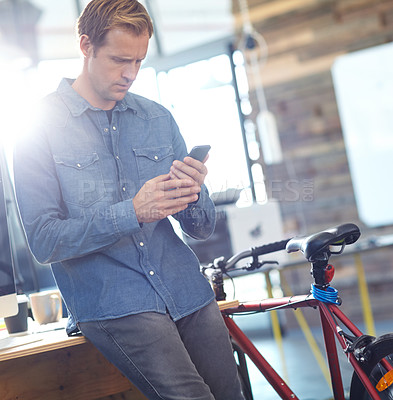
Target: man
(95, 181)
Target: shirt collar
(78, 105)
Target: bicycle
(370, 357)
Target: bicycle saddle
(319, 243)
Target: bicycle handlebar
(270, 248)
(316, 249)
(253, 252)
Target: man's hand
(189, 168)
(163, 196)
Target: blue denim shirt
(75, 178)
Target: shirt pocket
(81, 178)
(153, 161)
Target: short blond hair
(101, 16)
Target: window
(202, 100)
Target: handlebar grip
(269, 248)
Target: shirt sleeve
(51, 234)
(199, 218)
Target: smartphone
(199, 152)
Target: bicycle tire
(246, 390)
(242, 371)
(381, 348)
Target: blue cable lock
(329, 295)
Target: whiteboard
(363, 82)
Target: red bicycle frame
(330, 328)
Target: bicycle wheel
(242, 371)
(245, 385)
(380, 377)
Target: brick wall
(304, 37)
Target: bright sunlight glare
(21, 93)
(200, 96)
(17, 105)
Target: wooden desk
(224, 304)
(59, 367)
(64, 368)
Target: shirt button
(151, 273)
(141, 244)
(114, 128)
(106, 130)
(117, 158)
(78, 165)
(123, 188)
(156, 157)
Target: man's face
(112, 68)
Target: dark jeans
(190, 359)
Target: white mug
(46, 306)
